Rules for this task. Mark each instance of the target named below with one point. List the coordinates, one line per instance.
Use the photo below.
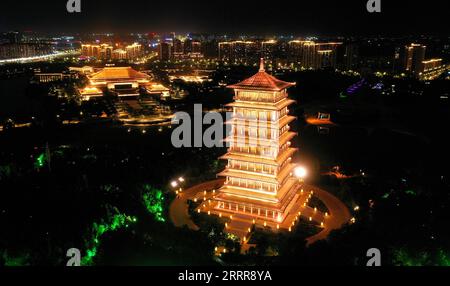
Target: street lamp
(300, 172)
(176, 184)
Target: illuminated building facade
(414, 57)
(24, 50)
(239, 51)
(312, 55)
(418, 66)
(49, 77)
(268, 50)
(432, 69)
(90, 92)
(108, 52)
(102, 51)
(123, 80)
(350, 57)
(180, 48)
(165, 51)
(258, 177)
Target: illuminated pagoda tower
(259, 184)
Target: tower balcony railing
(260, 98)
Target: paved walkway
(178, 210)
(338, 213)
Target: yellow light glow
(300, 172)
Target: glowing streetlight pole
(301, 173)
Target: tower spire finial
(261, 65)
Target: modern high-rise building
(108, 52)
(312, 55)
(24, 50)
(350, 57)
(13, 37)
(187, 46)
(165, 51)
(258, 177)
(239, 51)
(210, 49)
(432, 68)
(119, 54)
(268, 49)
(414, 56)
(177, 48)
(225, 51)
(196, 47)
(134, 51)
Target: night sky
(330, 17)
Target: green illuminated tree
(114, 221)
(153, 200)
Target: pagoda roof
(262, 105)
(283, 156)
(279, 201)
(262, 81)
(118, 73)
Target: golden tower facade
(259, 183)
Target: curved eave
(239, 86)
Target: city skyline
(349, 18)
